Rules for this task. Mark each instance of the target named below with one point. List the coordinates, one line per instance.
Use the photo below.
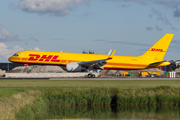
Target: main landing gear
(91, 75)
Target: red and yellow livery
(153, 57)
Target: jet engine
(74, 67)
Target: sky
(129, 26)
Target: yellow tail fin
(158, 50)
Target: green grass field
(17, 94)
(89, 83)
(9, 87)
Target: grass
(17, 94)
(63, 97)
(33, 111)
(90, 83)
(76, 97)
(9, 91)
(161, 95)
(10, 105)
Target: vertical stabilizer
(158, 50)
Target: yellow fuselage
(61, 58)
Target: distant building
(91, 51)
(86, 52)
(177, 62)
(9, 66)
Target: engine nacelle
(74, 67)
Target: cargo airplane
(76, 62)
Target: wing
(97, 63)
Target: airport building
(9, 66)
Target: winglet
(110, 51)
(112, 54)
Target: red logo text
(46, 58)
(156, 50)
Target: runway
(114, 78)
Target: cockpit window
(15, 55)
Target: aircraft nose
(14, 58)
(10, 59)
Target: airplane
(77, 62)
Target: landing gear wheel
(89, 75)
(93, 76)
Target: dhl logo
(47, 58)
(156, 50)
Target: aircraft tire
(89, 75)
(93, 76)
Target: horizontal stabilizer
(156, 63)
(161, 63)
